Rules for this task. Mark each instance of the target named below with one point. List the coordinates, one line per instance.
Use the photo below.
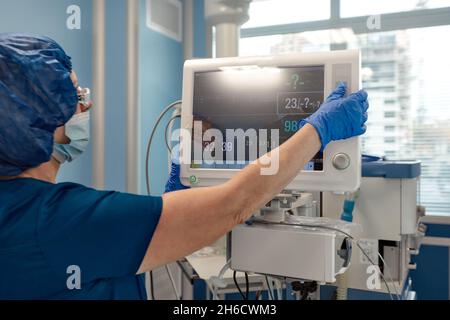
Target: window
(389, 128)
(353, 8)
(389, 114)
(403, 72)
(277, 12)
(390, 153)
(389, 140)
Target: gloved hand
(174, 183)
(340, 118)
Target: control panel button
(341, 161)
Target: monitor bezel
(330, 179)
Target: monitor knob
(341, 161)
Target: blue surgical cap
(36, 97)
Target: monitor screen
(254, 109)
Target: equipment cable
(147, 181)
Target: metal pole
(98, 79)
(188, 34)
(132, 131)
(227, 18)
(209, 40)
(227, 40)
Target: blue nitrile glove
(174, 182)
(340, 118)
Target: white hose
(342, 289)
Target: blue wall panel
(115, 99)
(161, 65)
(199, 29)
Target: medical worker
(51, 231)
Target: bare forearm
(192, 219)
(252, 190)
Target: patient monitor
(263, 98)
(234, 110)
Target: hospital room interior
(225, 150)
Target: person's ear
(60, 133)
(60, 136)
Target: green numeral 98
(290, 126)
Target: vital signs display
(260, 100)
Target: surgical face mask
(78, 131)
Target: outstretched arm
(192, 219)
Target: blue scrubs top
(47, 231)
